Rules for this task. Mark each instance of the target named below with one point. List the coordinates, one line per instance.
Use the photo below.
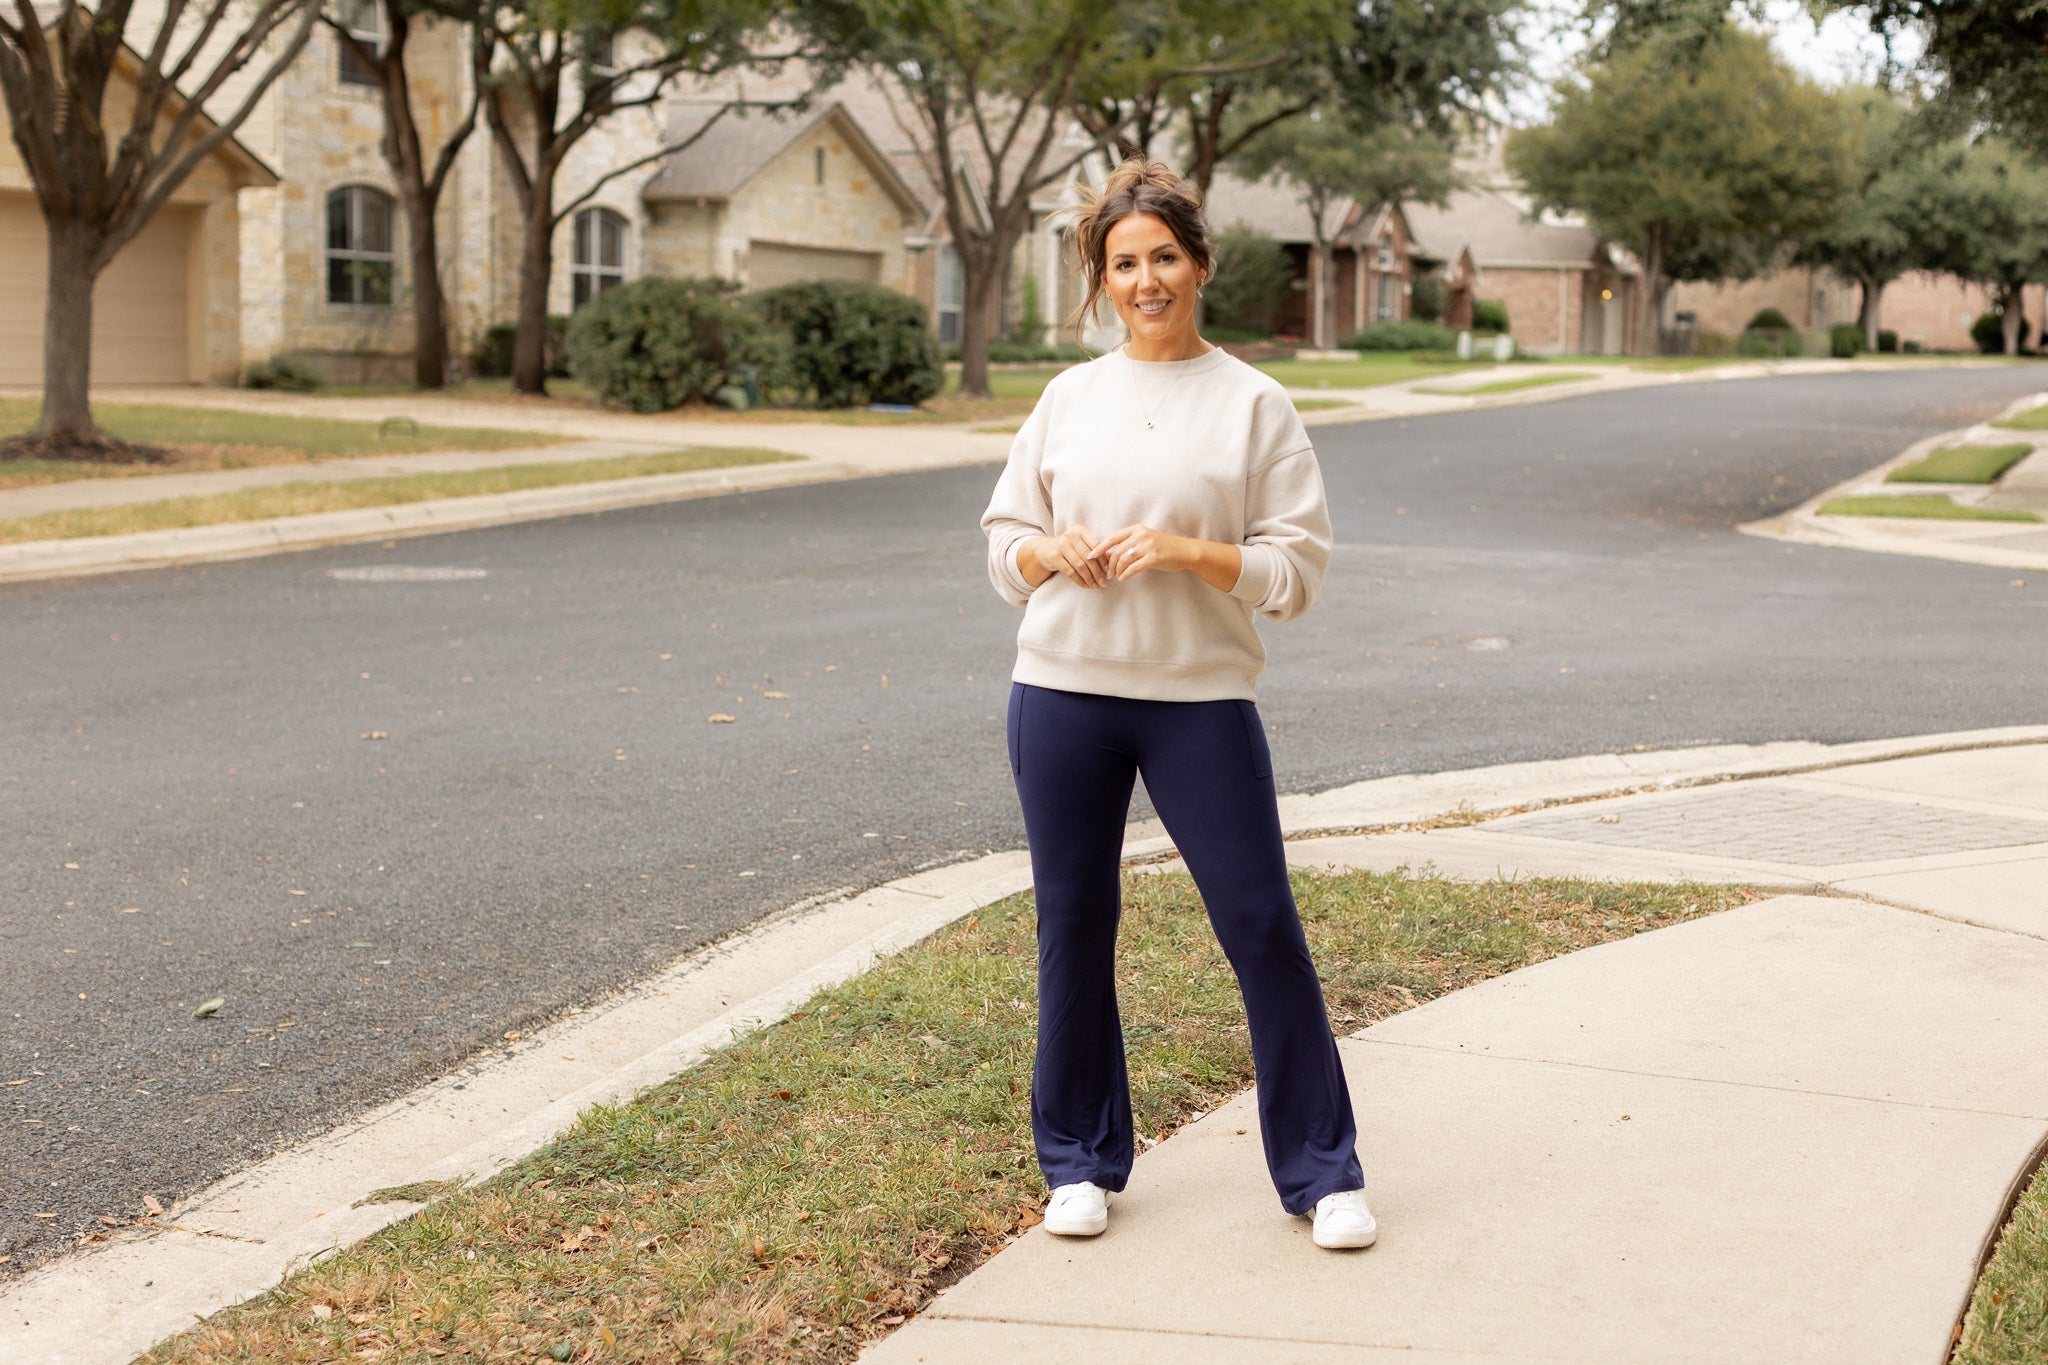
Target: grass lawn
(1380, 367)
(297, 499)
(2007, 1322)
(1527, 381)
(2033, 419)
(216, 438)
(801, 1191)
(1961, 464)
(1934, 505)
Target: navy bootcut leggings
(1075, 756)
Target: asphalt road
(388, 816)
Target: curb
(241, 1236)
(1803, 525)
(39, 559)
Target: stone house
(168, 308)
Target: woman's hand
(1139, 549)
(1071, 553)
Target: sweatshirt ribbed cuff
(1254, 576)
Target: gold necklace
(1139, 389)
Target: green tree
(986, 89)
(1991, 55)
(1901, 205)
(101, 170)
(1333, 156)
(1253, 274)
(565, 68)
(1704, 163)
(2000, 236)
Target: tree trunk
(1650, 294)
(536, 267)
(67, 335)
(977, 290)
(1325, 295)
(1873, 302)
(429, 309)
(2010, 313)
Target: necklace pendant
(1148, 426)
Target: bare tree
(560, 79)
(419, 184)
(98, 177)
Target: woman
(1156, 498)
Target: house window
(360, 261)
(1385, 307)
(598, 261)
(821, 165)
(949, 296)
(364, 20)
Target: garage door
(138, 325)
(773, 263)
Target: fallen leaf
(46, 1215)
(322, 1311)
(149, 1202)
(295, 893)
(605, 1335)
(72, 866)
(374, 734)
(208, 1008)
(110, 1222)
(132, 910)
(776, 696)
(893, 1320)
(718, 718)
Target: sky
(1840, 50)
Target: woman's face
(1151, 282)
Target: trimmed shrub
(1489, 315)
(282, 373)
(1887, 340)
(852, 344)
(1033, 353)
(1253, 278)
(1428, 296)
(1402, 336)
(653, 344)
(491, 357)
(1708, 342)
(1769, 343)
(1988, 331)
(1769, 320)
(1845, 341)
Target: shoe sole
(1354, 1242)
(1091, 1227)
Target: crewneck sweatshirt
(1225, 459)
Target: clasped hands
(1123, 554)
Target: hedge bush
(491, 357)
(1887, 340)
(1402, 336)
(1489, 315)
(1254, 276)
(653, 344)
(1988, 331)
(1769, 342)
(1845, 341)
(1769, 320)
(1034, 353)
(282, 373)
(1428, 296)
(852, 344)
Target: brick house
(1927, 310)
(1567, 289)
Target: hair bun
(1135, 173)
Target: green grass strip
(299, 499)
(2033, 419)
(799, 1192)
(1962, 464)
(1929, 505)
(1527, 381)
(167, 424)
(2007, 1322)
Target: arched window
(598, 261)
(360, 261)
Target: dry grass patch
(801, 1192)
(301, 499)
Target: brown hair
(1138, 186)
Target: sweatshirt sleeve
(1021, 507)
(1287, 536)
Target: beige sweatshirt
(1226, 459)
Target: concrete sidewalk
(1784, 1133)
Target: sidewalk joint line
(935, 1313)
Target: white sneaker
(1343, 1220)
(1079, 1210)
